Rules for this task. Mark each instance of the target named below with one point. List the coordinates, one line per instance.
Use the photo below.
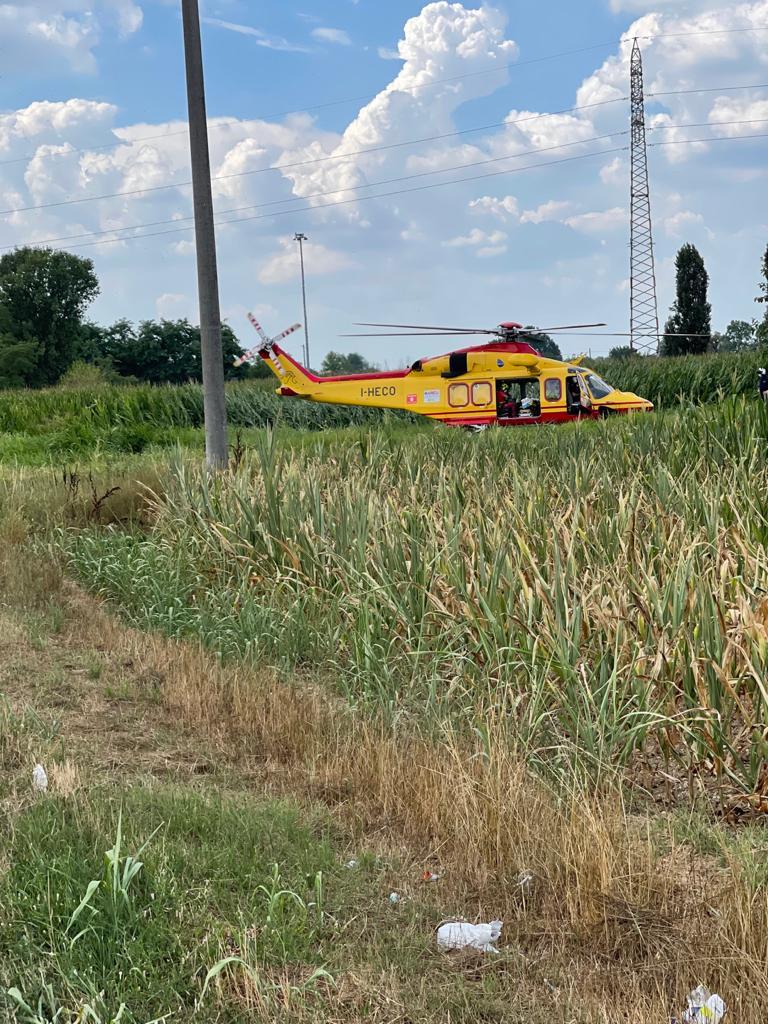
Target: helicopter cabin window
(597, 386)
(458, 395)
(553, 389)
(481, 393)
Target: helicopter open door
(518, 400)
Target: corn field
(107, 408)
(666, 382)
(600, 588)
(693, 379)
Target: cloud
(443, 41)
(378, 259)
(172, 306)
(262, 38)
(387, 53)
(61, 34)
(553, 209)
(503, 208)
(332, 35)
(681, 221)
(614, 172)
(475, 238)
(598, 221)
(284, 265)
(749, 114)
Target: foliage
(687, 330)
(762, 328)
(82, 375)
(162, 352)
(623, 352)
(545, 345)
(44, 294)
(739, 336)
(337, 364)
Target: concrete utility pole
(214, 405)
(301, 239)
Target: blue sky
(548, 243)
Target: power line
(350, 155)
(333, 103)
(397, 192)
(388, 181)
(511, 66)
(320, 159)
(351, 188)
(358, 199)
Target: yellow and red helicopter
(503, 381)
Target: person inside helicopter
(572, 395)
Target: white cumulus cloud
(598, 221)
(283, 266)
(553, 209)
(502, 207)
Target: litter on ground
(704, 1007)
(462, 935)
(39, 779)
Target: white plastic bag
(462, 935)
(39, 779)
(704, 1007)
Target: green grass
(212, 908)
(595, 584)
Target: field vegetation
(519, 653)
(55, 425)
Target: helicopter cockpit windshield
(597, 386)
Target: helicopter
(503, 381)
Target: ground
(89, 698)
(223, 826)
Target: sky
(315, 107)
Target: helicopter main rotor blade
(566, 327)
(425, 327)
(407, 334)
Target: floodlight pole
(301, 239)
(214, 402)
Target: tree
(690, 315)
(44, 294)
(544, 345)
(739, 336)
(159, 352)
(336, 364)
(762, 327)
(623, 352)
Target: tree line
(688, 330)
(46, 339)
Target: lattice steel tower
(643, 317)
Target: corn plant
(595, 586)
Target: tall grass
(695, 379)
(599, 588)
(106, 409)
(109, 410)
